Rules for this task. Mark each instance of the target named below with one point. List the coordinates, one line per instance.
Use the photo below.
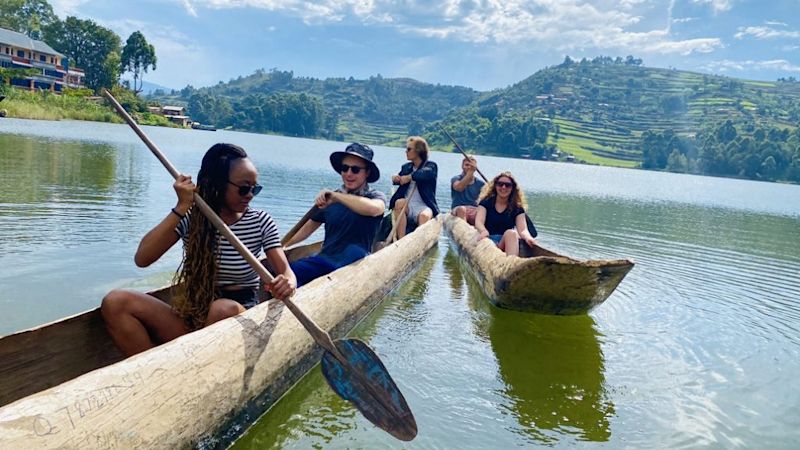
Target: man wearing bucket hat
(352, 215)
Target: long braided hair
(196, 278)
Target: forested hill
(609, 111)
(377, 109)
(614, 111)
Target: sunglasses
(408, 149)
(244, 190)
(504, 184)
(343, 168)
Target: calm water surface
(698, 347)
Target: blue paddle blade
(364, 381)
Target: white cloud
(64, 8)
(189, 7)
(684, 19)
(765, 33)
(776, 23)
(717, 5)
(560, 25)
(739, 66)
(320, 11)
(566, 25)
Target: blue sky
(483, 44)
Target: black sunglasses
(504, 184)
(343, 168)
(244, 190)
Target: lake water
(698, 347)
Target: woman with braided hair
(214, 282)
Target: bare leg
(400, 219)
(511, 242)
(222, 309)
(461, 212)
(137, 321)
(424, 216)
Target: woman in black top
(501, 214)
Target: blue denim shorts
(496, 238)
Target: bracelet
(181, 216)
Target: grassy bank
(44, 105)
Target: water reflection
(311, 415)
(551, 366)
(40, 171)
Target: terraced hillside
(599, 109)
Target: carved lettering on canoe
(43, 427)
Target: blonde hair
(420, 145)
(517, 197)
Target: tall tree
(27, 16)
(137, 57)
(88, 45)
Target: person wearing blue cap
(352, 215)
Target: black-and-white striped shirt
(257, 231)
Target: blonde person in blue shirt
(214, 281)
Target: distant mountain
(617, 112)
(609, 111)
(149, 88)
(376, 110)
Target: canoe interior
(40, 358)
(540, 280)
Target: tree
(137, 57)
(26, 16)
(89, 46)
(677, 162)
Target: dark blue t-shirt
(498, 223)
(344, 227)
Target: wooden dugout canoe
(200, 390)
(540, 280)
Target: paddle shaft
(393, 233)
(320, 336)
(306, 217)
(463, 152)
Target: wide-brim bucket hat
(361, 151)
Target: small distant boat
(200, 126)
(538, 280)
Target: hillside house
(52, 71)
(176, 115)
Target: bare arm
(364, 206)
(522, 229)
(162, 237)
(466, 180)
(480, 222)
(285, 282)
(303, 233)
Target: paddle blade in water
(365, 382)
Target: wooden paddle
(351, 368)
(393, 233)
(306, 217)
(528, 220)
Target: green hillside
(600, 111)
(376, 110)
(609, 111)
